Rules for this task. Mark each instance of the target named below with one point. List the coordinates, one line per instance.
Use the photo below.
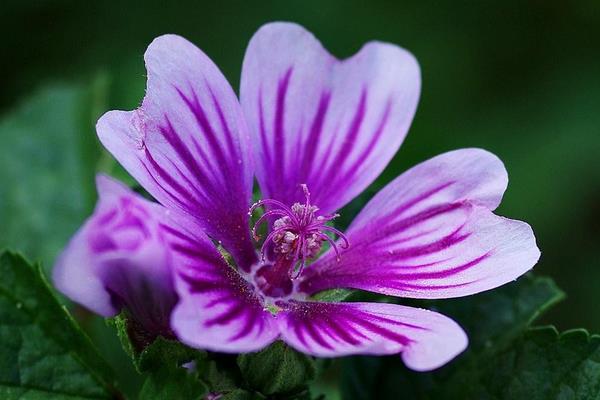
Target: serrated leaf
(539, 366)
(492, 321)
(47, 165)
(495, 317)
(278, 369)
(44, 354)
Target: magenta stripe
(198, 254)
(178, 234)
(444, 273)
(246, 329)
(188, 158)
(379, 330)
(279, 130)
(162, 188)
(201, 197)
(367, 280)
(209, 133)
(107, 217)
(345, 333)
(315, 334)
(360, 160)
(444, 243)
(422, 197)
(314, 137)
(218, 300)
(227, 131)
(266, 153)
(202, 286)
(412, 286)
(183, 193)
(227, 316)
(395, 242)
(418, 218)
(181, 149)
(210, 168)
(378, 318)
(325, 159)
(349, 141)
(298, 327)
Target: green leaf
(492, 320)
(278, 369)
(239, 394)
(43, 354)
(172, 383)
(333, 295)
(163, 362)
(541, 365)
(47, 164)
(220, 373)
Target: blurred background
(519, 78)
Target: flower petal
(430, 234)
(426, 339)
(333, 125)
(187, 144)
(218, 309)
(119, 258)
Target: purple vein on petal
(279, 129)
(364, 155)
(316, 335)
(250, 322)
(224, 125)
(266, 152)
(233, 312)
(182, 193)
(314, 137)
(201, 118)
(338, 162)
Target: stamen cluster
(298, 234)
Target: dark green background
(519, 78)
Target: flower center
(297, 233)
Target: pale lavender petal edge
(426, 339)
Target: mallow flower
(315, 132)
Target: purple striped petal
(218, 309)
(120, 258)
(187, 144)
(427, 340)
(333, 125)
(431, 233)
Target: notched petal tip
(332, 124)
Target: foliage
(44, 355)
(47, 166)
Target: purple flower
(315, 131)
(120, 259)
